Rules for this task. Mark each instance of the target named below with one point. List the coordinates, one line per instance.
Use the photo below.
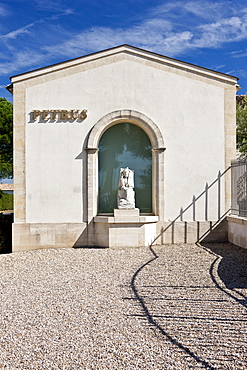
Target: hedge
(6, 232)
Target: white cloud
(155, 34)
(219, 67)
(25, 29)
(20, 60)
(147, 34)
(203, 9)
(207, 10)
(239, 53)
(53, 6)
(18, 32)
(48, 4)
(3, 11)
(226, 30)
(161, 33)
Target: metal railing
(217, 203)
(239, 187)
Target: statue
(126, 193)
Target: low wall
(237, 230)
(35, 236)
(31, 236)
(111, 232)
(191, 231)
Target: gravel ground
(176, 307)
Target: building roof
(129, 50)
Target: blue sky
(37, 33)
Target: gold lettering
(73, 114)
(64, 115)
(54, 112)
(45, 114)
(83, 114)
(36, 113)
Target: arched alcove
(124, 145)
(157, 148)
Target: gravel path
(112, 309)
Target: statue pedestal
(130, 213)
(126, 228)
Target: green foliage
(6, 138)
(241, 120)
(6, 233)
(6, 201)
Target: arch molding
(157, 142)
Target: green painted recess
(125, 145)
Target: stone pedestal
(126, 228)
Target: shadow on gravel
(232, 269)
(153, 322)
(89, 247)
(229, 274)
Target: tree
(6, 138)
(241, 121)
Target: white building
(78, 122)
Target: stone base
(126, 228)
(31, 236)
(237, 230)
(188, 232)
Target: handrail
(213, 226)
(195, 199)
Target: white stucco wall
(189, 113)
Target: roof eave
(126, 48)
